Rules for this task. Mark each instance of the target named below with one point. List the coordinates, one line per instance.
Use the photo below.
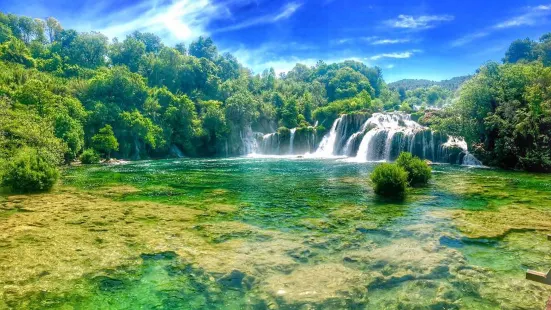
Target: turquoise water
(305, 233)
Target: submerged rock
(236, 279)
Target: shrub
(419, 172)
(536, 161)
(105, 141)
(89, 156)
(30, 172)
(389, 180)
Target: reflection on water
(256, 233)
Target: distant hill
(409, 84)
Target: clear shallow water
(281, 233)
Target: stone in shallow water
(160, 256)
(236, 280)
(107, 284)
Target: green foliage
(30, 171)
(89, 156)
(328, 114)
(105, 141)
(203, 48)
(521, 50)
(128, 53)
(506, 111)
(419, 172)
(405, 107)
(389, 180)
(5, 33)
(289, 114)
(16, 51)
(348, 83)
(536, 161)
(452, 84)
(23, 128)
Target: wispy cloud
(390, 41)
(469, 38)
(397, 55)
(418, 22)
(354, 40)
(389, 66)
(531, 16)
(173, 21)
(284, 13)
(284, 57)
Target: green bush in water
(89, 156)
(389, 180)
(29, 171)
(419, 172)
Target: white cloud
(469, 38)
(175, 21)
(389, 66)
(402, 55)
(419, 22)
(390, 41)
(353, 40)
(287, 11)
(531, 17)
(265, 57)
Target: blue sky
(407, 39)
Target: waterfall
(378, 142)
(327, 145)
(292, 140)
(470, 160)
(364, 137)
(249, 140)
(393, 133)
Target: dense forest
(452, 84)
(64, 94)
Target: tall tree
(203, 48)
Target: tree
(241, 108)
(105, 141)
(181, 47)
(544, 49)
(308, 107)
(402, 93)
(152, 43)
(5, 33)
(87, 50)
(289, 114)
(348, 83)
(128, 53)
(203, 48)
(521, 50)
(180, 120)
(53, 28)
(16, 51)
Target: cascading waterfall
(327, 144)
(381, 137)
(292, 140)
(393, 133)
(296, 141)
